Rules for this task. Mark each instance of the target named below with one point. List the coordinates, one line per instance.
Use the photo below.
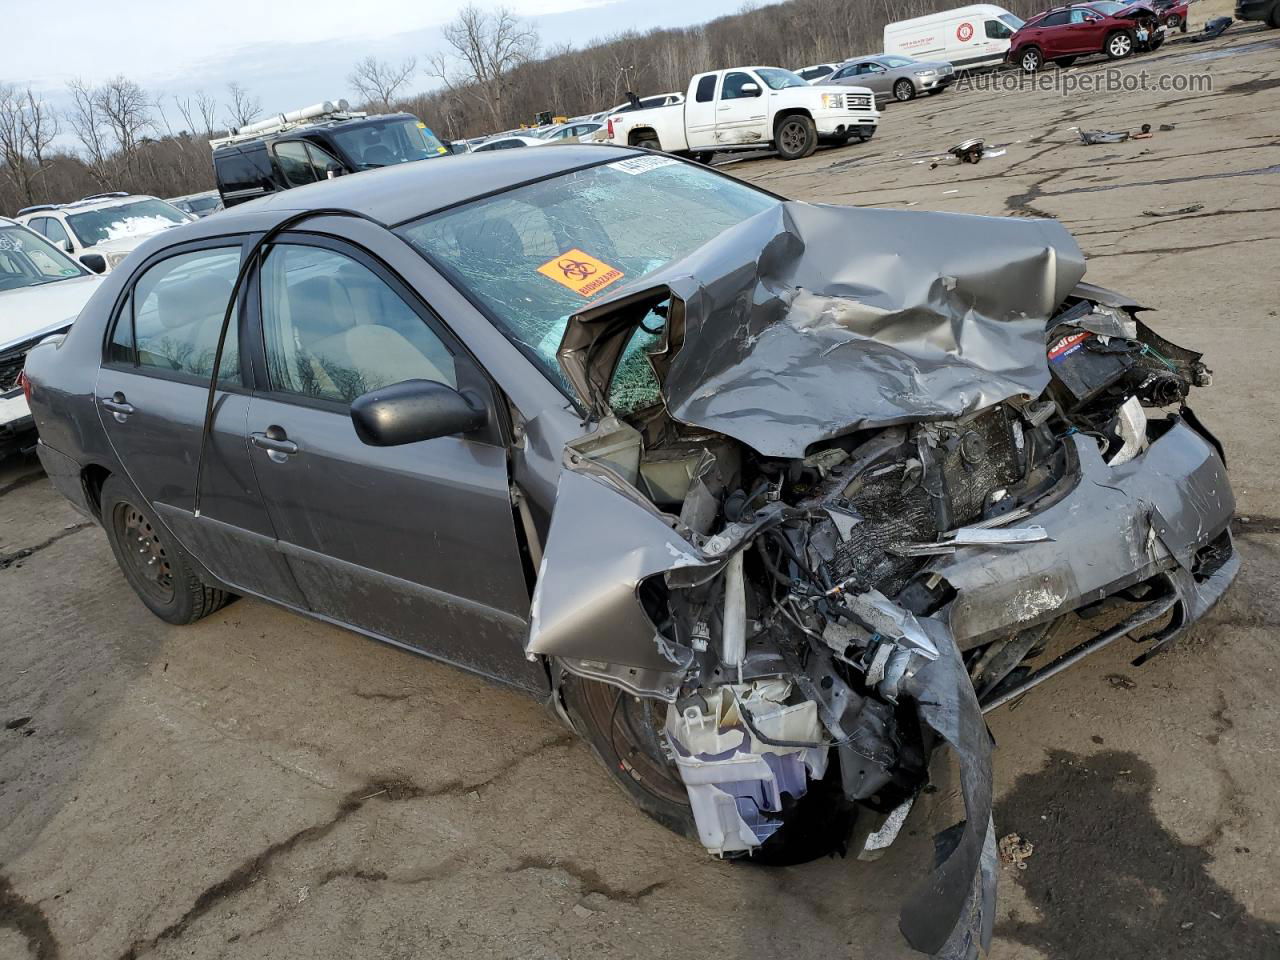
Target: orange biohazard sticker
(580, 272)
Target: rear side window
(1054, 19)
(335, 330)
(173, 315)
(706, 88)
(54, 231)
(243, 172)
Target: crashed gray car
(770, 500)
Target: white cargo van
(969, 37)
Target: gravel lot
(259, 785)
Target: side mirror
(750, 89)
(414, 410)
(67, 247)
(95, 262)
(333, 171)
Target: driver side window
(334, 329)
(733, 84)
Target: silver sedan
(895, 76)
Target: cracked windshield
(538, 254)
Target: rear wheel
(1031, 60)
(904, 90)
(1119, 45)
(154, 565)
(648, 143)
(1275, 16)
(795, 137)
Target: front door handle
(120, 408)
(276, 442)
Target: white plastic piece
(1131, 424)
(981, 536)
(734, 646)
(879, 841)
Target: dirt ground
(259, 785)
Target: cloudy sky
(288, 53)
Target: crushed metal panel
(786, 329)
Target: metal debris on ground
(1212, 30)
(1192, 208)
(1091, 137)
(1015, 851)
(968, 151)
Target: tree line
(494, 74)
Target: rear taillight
(610, 124)
(25, 383)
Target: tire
(623, 732)
(1119, 45)
(795, 137)
(1065, 61)
(151, 562)
(1274, 20)
(904, 90)
(1031, 60)
(1175, 23)
(702, 156)
(649, 143)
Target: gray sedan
(894, 76)
(769, 518)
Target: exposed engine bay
(871, 492)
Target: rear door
(414, 544)
(151, 393)
(700, 112)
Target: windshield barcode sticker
(638, 165)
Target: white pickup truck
(747, 108)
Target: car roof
(88, 203)
(407, 191)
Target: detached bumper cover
(1119, 526)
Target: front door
(151, 394)
(741, 111)
(414, 544)
(877, 78)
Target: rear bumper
(1163, 516)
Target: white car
(508, 143)
(41, 293)
(747, 108)
(817, 73)
(101, 230)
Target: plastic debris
(1015, 851)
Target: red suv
(1065, 33)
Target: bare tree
(27, 129)
(90, 128)
(126, 111)
(488, 45)
(199, 114)
(244, 108)
(378, 81)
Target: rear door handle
(276, 442)
(120, 408)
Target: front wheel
(1175, 23)
(795, 137)
(154, 565)
(904, 90)
(1119, 45)
(625, 733)
(1031, 60)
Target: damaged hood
(810, 321)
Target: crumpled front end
(825, 580)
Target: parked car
(967, 37)
(1267, 11)
(1065, 34)
(41, 291)
(198, 204)
(631, 435)
(640, 103)
(749, 108)
(818, 72)
(573, 132)
(101, 230)
(1172, 13)
(318, 142)
(509, 142)
(889, 75)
